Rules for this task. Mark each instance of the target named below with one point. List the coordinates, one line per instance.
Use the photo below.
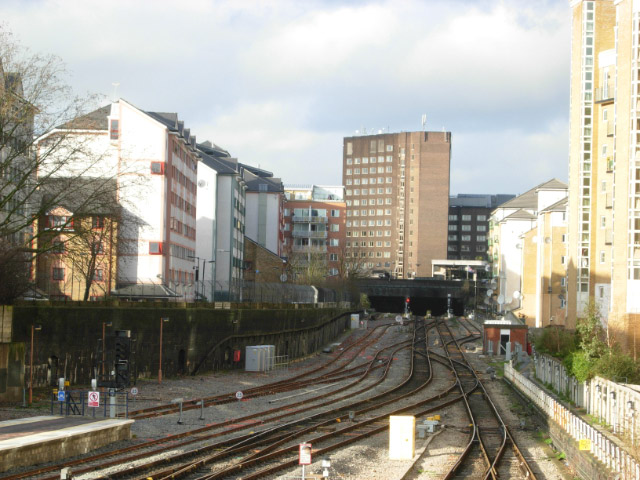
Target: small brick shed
(501, 331)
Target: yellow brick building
(604, 170)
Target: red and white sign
(94, 399)
(304, 454)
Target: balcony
(609, 200)
(604, 94)
(309, 219)
(608, 236)
(309, 234)
(310, 248)
(609, 164)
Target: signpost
(94, 399)
(61, 395)
(239, 395)
(584, 444)
(304, 456)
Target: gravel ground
(365, 460)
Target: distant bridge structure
(425, 294)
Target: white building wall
(224, 209)
(265, 231)
(206, 223)
(511, 255)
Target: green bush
(617, 366)
(555, 341)
(580, 365)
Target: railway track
(234, 426)
(347, 354)
(491, 452)
(228, 450)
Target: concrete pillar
(507, 356)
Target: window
(389, 148)
(97, 222)
(603, 221)
(366, 170)
(453, 228)
(481, 218)
(349, 161)
(604, 151)
(349, 148)
(333, 257)
(465, 228)
(481, 238)
(57, 273)
(480, 248)
(389, 179)
(453, 218)
(114, 129)
(563, 282)
(465, 238)
(464, 248)
(348, 181)
(333, 272)
(335, 227)
(157, 168)
(287, 227)
(155, 248)
(602, 257)
(604, 114)
(357, 161)
(466, 218)
(98, 248)
(563, 260)
(481, 228)
(98, 275)
(348, 171)
(452, 238)
(389, 169)
(356, 171)
(334, 242)
(57, 246)
(452, 248)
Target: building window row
(182, 204)
(370, 191)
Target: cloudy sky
(280, 83)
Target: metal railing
(76, 402)
(309, 234)
(310, 219)
(601, 446)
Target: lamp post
(162, 321)
(34, 328)
(104, 344)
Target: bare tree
(46, 135)
(352, 262)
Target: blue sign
(61, 396)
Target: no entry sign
(304, 455)
(94, 399)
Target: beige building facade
(604, 170)
(397, 196)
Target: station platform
(33, 440)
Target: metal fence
(75, 402)
(602, 447)
(551, 371)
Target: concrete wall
(194, 338)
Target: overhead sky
(280, 83)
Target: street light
(162, 321)
(104, 349)
(34, 328)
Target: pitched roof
(529, 199)
(223, 167)
(81, 195)
(96, 120)
(559, 206)
(254, 183)
(520, 215)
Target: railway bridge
(389, 295)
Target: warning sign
(584, 444)
(304, 455)
(94, 399)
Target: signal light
(407, 300)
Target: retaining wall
(195, 338)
